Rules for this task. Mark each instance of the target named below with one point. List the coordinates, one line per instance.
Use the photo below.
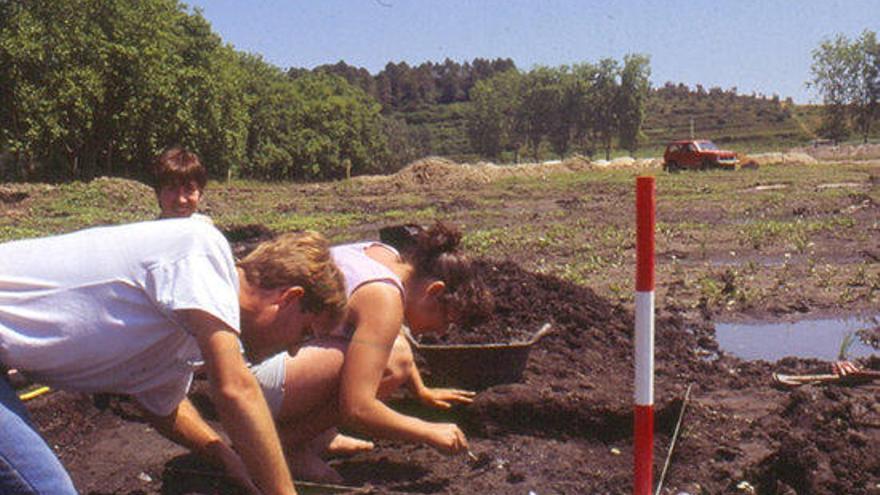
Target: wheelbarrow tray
(477, 366)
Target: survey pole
(643, 428)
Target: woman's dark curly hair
(434, 254)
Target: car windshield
(707, 145)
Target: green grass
(718, 237)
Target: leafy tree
(314, 127)
(634, 87)
(581, 101)
(93, 83)
(494, 120)
(847, 75)
(540, 106)
(405, 144)
(449, 82)
(866, 89)
(603, 101)
(273, 108)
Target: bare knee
(399, 368)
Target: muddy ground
(775, 244)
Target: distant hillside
(742, 122)
(739, 121)
(433, 98)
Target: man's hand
(186, 427)
(234, 467)
(444, 398)
(240, 404)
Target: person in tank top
(341, 379)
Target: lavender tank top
(358, 269)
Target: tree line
(847, 75)
(98, 87)
(582, 108)
(402, 87)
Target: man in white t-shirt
(131, 309)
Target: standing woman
(341, 379)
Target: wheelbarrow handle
(409, 337)
(540, 334)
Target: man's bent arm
(240, 403)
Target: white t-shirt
(94, 310)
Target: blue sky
(761, 46)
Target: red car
(699, 154)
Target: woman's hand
(444, 398)
(447, 438)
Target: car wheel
(707, 165)
(670, 167)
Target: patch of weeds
(873, 284)
(752, 267)
(859, 278)
(14, 232)
(483, 242)
(783, 275)
(621, 293)
(727, 287)
(573, 273)
(826, 275)
(677, 270)
(848, 340)
(847, 295)
(319, 222)
(811, 265)
(711, 289)
(396, 215)
(668, 230)
(797, 233)
(800, 241)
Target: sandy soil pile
(842, 152)
(776, 158)
(441, 172)
(125, 189)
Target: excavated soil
(565, 429)
(566, 426)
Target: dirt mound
(524, 301)
(790, 158)
(126, 190)
(842, 151)
(9, 195)
(436, 172)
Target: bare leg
(311, 386)
(331, 442)
(399, 368)
(309, 409)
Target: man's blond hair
(299, 259)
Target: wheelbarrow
(477, 366)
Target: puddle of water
(813, 338)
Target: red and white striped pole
(644, 338)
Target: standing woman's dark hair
(434, 254)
